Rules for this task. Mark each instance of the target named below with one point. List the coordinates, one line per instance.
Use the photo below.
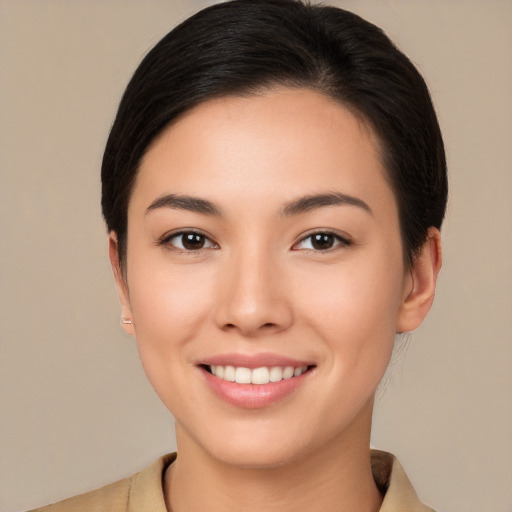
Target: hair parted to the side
(241, 47)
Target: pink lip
(252, 396)
(253, 360)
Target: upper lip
(253, 360)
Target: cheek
(357, 295)
(170, 306)
(164, 306)
(354, 308)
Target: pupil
(193, 241)
(322, 241)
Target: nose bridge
(253, 299)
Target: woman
(273, 187)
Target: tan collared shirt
(143, 491)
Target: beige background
(76, 411)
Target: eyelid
(166, 239)
(343, 240)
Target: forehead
(274, 145)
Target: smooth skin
(253, 281)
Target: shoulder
(391, 479)
(138, 493)
(113, 497)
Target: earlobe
(420, 284)
(121, 285)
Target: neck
(335, 477)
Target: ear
(121, 285)
(420, 284)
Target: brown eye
(192, 241)
(189, 241)
(322, 241)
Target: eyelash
(340, 241)
(166, 241)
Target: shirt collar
(146, 488)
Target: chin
(276, 450)
(255, 446)
(256, 457)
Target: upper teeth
(262, 375)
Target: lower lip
(253, 396)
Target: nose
(252, 298)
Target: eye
(189, 241)
(321, 241)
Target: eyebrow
(295, 207)
(188, 203)
(313, 202)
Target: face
(264, 276)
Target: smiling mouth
(261, 375)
